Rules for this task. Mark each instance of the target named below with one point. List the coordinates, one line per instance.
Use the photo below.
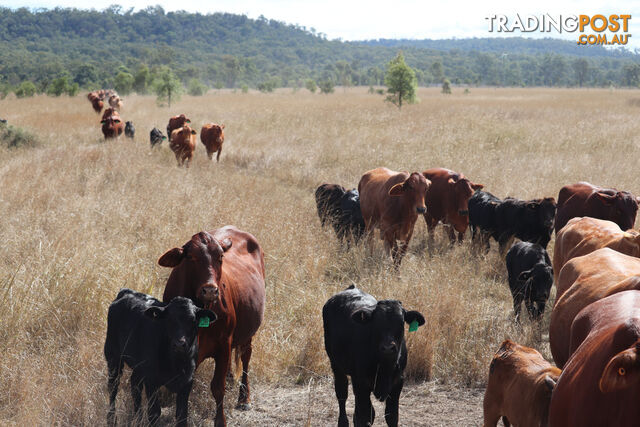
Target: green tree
(231, 69)
(631, 75)
(25, 90)
(400, 81)
(196, 87)
(142, 80)
(310, 84)
(167, 86)
(436, 71)
(268, 85)
(58, 86)
(581, 68)
(446, 87)
(124, 83)
(73, 89)
(326, 86)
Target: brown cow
(584, 199)
(176, 122)
(115, 102)
(583, 235)
(108, 112)
(112, 127)
(222, 270)
(448, 201)
(96, 102)
(600, 383)
(519, 387)
(582, 281)
(212, 137)
(391, 201)
(183, 144)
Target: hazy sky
(370, 19)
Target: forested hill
(91, 47)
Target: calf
(519, 388)
(448, 198)
(584, 199)
(156, 137)
(328, 198)
(158, 342)
(176, 122)
(364, 339)
(528, 220)
(212, 137)
(183, 144)
(129, 130)
(530, 277)
(391, 201)
(342, 209)
(482, 216)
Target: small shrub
(310, 84)
(245, 88)
(326, 86)
(196, 88)
(25, 90)
(14, 137)
(446, 87)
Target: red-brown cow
(112, 127)
(108, 112)
(392, 201)
(96, 102)
(212, 137)
(584, 199)
(183, 144)
(519, 387)
(600, 383)
(222, 270)
(176, 122)
(448, 201)
(583, 235)
(582, 281)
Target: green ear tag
(413, 326)
(204, 322)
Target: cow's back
(571, 202)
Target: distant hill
(92, 47)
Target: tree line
(65, 50)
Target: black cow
(156, 137)
(158, 342)
(129, 130)
(528, 220)
(364, 339)
(530, 277)
(328, 198)
(340, 208)
(3, 121)
(482, 215)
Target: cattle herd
(182, 138)
(214, 298)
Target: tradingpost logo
(590, 27)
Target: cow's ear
(103, 122)
(226, 244)
(187, 120)
(451, 181)
(477, 187)
(410, 316)
(362, 316)
(154, 312)
(164, 138)
(606, 199)
(622, 371)
(193, 132)
(116, 120)
(638, 200)
(203, 312)
(396, 190)
(532, 205)
(524, 276)
(221, 126)
(172, 258)
(549, 382)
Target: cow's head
(622, 371)
(200, 263)
(544, 211)
(386, 322)
(537, 283)
(413, 190)
(184, 118)
(463, 189)
(180, 319)
(184, 133)
(622, 207)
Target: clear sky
(371, 19)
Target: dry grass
(80, 218)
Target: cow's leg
(218, 155)
(244, 395)
(222, 359)
(153, 406)
(136, 393)
(115, 371)
(431, 226)
(391, 405)
(364, 413)
(460, 236)
(182, 404)
(341, 385)
(517, 302)
(452, 234)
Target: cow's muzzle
(421, 209)
(208, 294)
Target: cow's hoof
(243, 406)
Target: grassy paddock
(80, 218)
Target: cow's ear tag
(204, 322)
(413, 326)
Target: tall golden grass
(81, 218)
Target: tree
(124, 83)
(400, 81)
(446, 87)
(25, 90)
(326, 86)
(58, 86)
(310, 84)
(581, 68)
(631, 75)
(196, 88)
(167, 86)
(141, 80)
